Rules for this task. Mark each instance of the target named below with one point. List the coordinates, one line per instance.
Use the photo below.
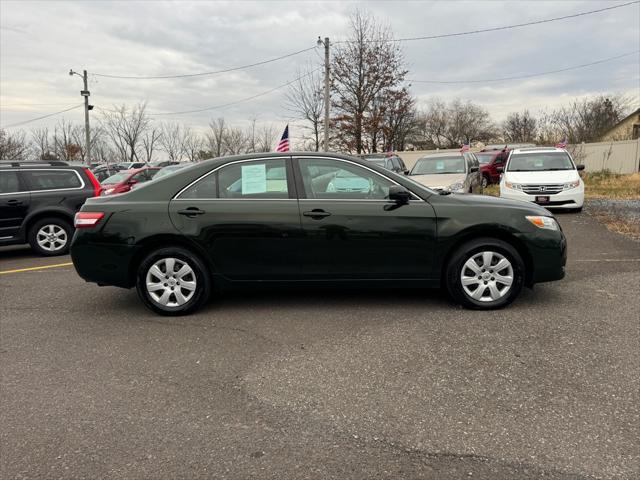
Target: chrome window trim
(417, 198)
(202, 177)
(82, 184)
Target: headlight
(455, 187)
(570, 185)
(513, 186)
(543, 222)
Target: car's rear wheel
(485, 182)
(173, 281)
(485, 274)
(50, 236)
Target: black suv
(38, 201)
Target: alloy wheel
(52, 237)
(487, 276)
(171, 282)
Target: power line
(40, 118)
(201, 74)
(224, 105)
(505, 27)
(32, 104)
(519, 77)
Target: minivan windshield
(435, 165)
(540, 161)
(484, 158)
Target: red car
(490, 160)
(124, 181)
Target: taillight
(87, 219)
(97, 188)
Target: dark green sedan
(314, 218)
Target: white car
(547, 176)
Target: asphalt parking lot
(325, 384)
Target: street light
(85, 93)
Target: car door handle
(14, 203)
(191, 212)
(316, 214)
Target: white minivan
(547, 176)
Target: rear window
(485, 158)
(434, 165)
(117, 178)
(52, 179)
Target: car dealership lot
(325, 383)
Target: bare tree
(64, 142)
(398, 118)
(234, 141)
(192, 145)
(150, 142)
(267, 137)
(172, 141)
(42, 143)
(363, 67)
(126, 127)
(305, 98)
(520, 127)
(13, 146)
(215, 136)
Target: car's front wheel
(173, 281)
(485, 274)
(485, 182)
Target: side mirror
(499, 169)
(399, 194)
(406, 172)
(474, 169)
(580, 167)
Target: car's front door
(351, 229)
(14, 203)
(246, 216)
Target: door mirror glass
(579, 167)
(399, 194)
(473, 169)
(499, 169)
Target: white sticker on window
(439, 165)
(254, 179)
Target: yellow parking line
(30, 269)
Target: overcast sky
(41, 41)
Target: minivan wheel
(173, 281)
(50, 236)
(485, 274)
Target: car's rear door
(245, 215)
(352, 231)
(14, 203)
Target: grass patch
(493, 190)
(617, 225)
(606, 184)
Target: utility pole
(326, 91)
(87, 131)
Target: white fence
(619, 157)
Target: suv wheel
(485, 182)
(485, 274)
(50, 236)
(173, 281)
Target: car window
(395, 162)
(9, 182)
(540, 161)
(335, 179)
(485, 158)
(205, 188)
(434, 165)
(52, 179)
(257, 179)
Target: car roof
(440, 155)
(516, 151)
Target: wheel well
(46, 214)
(164, 241)
(498, 235)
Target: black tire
(50, 236)
(454, 272)
(201, 282)
(485, 182)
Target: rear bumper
(102, 263)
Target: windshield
(538, 162)
(167, 170)
(435, 165)
(484, 158)
(117, 178)
(377, 161)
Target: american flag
(465, 147)
(283, 146)
(562, 143)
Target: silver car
(457, 172)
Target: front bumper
(573, 198)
